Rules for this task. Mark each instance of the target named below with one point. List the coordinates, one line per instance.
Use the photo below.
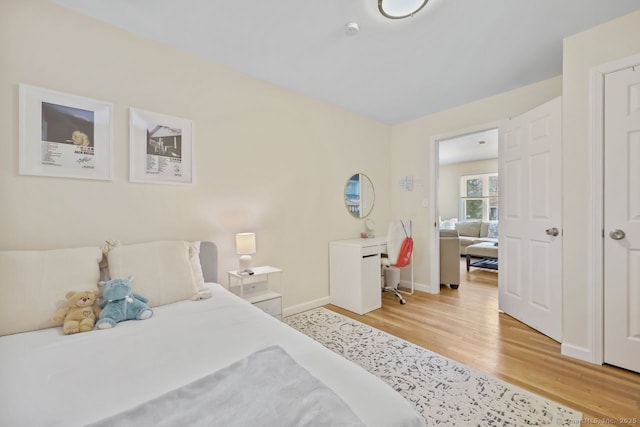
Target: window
(479, 197)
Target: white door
(622, 219)
(530, 234)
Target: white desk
(355, 275)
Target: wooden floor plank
(465, 325)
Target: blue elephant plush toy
(120, 303)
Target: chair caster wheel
(454, 286)
(403, 302)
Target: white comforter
(278, 390)
(48, 379)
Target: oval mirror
(359, 195)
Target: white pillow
(196, 267)
(33, 284)
(161, 270)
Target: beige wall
(449, 183)
(266, 160)
(410, 154)
(608, 42)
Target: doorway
(616, 122)
(468, 198)
(467, 152)
(530, 236)
(596, 283)
(621, 214)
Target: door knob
(552, 231)
(617, 234)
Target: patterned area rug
(445, 392)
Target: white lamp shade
(246, 243)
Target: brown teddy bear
(80, 314)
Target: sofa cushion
(489, 229)
(484, 249)
(468, 228)
(485, 240)
(484, 229)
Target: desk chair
(399, 255)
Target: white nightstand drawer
(258, 289)
(271, 306)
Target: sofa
(449, 259)
(472, 232)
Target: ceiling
(468, 148)
(450, 53)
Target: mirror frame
(355, 210)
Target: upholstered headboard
(209, 261)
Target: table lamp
(245, 246)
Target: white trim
(309, 305)
(595, 282)
(434, 168)
(406, 284)
(580, 353)
(289, 311)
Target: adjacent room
(355, 212)
(468, 195)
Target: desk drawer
(373, 250)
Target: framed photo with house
(64, 135)
(160, 148)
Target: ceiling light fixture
(398, 9)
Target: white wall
(266, 159)
(608, 42)
(449, 183)
(410, 155)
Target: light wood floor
(465, 325)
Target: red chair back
(404, 256)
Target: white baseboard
(405, 285)
(288, 311)
(580, 353)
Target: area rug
(445, 392)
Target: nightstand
(259, 289)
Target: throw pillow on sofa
(468, 228)
(493, 230)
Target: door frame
(595, 281)
(434, 194)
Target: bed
(141, 368)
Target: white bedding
(49, 379)
(278, 390)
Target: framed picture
(64, 135)
(160, 148)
